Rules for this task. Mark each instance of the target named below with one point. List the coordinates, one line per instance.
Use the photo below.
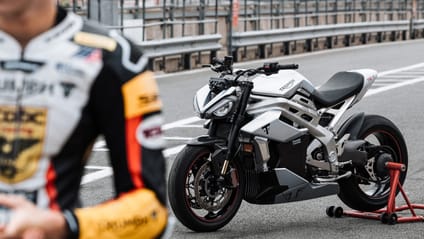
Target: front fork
(236, 120)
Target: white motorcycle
(274, 138)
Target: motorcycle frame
(294, 112)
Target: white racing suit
(57, 95)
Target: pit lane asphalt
(307, 219)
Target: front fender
(352, 126)
(206, 140)
(218, 154)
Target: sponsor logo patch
(89, 54)
(149, 133)
(22, 132)
(10, 88)
(141, 95)
(70, 70)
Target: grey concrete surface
(307, 219)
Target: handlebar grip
(274, 67)
(288, 67)
(216, 60)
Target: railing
(181, 28)
(184, 46)
(285, 36)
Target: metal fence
(156, 19)
(176, 18)
(156, 22)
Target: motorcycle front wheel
(198, 199)
(371, 193)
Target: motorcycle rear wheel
(364, 195)
(198, 201)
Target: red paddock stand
(386, 215)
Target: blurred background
(184, 34)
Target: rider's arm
(127, 111)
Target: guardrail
(418, 24)
(299, 25)
(184, 46)
(285, 36)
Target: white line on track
(102, 173)
(99, 144)
(190, 126)
(393, 86)
(179, 123)
(401, 69)
(177, 138)
(387, 80)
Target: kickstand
(386, 215)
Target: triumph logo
(266, 128)
(287, 86)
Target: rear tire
(197, 200)
(370, 196)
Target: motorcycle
(275, 138)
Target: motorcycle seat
(339, 87)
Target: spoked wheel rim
(206, 199)
(378, 185)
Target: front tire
(370, 195)
(198, 200)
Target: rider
(63, 82)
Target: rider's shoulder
(118, 51)
(94, 35)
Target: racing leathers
(57, 95)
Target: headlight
(209, 105)
(221, 109)
(224, 110)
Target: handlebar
(225, 66)
(274, 67)
(229, 78)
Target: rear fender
(352, 126)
